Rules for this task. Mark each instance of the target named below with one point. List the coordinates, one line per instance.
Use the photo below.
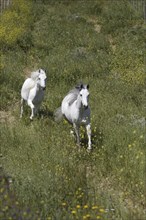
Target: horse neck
(36, 85)
(79, 103)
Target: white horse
(76, 110)
(33, 91)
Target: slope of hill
(98, 42)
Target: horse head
(41, 81)
(40, 78)
(84, 95)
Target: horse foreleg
(36, 109)
(32, 108)
(21, 111)
(88, 128)
(76, 128)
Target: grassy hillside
(44, 176)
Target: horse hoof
(89, 150)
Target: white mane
(35, 75)
(73, 94)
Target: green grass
(50, 176)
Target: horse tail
(58, 115)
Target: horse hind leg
(36, 109)
(88, 128)
(22, 106)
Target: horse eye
(81, 95)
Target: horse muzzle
(43, 88)
(85, 106)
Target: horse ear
(39, 70)
(88, 86)
(81, 86)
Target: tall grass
(51, 179)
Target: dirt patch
(6, 117)
(27, 72)
(94, 21)
(97, 28)
(111, 41)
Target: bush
(15, 41)
(15, 22)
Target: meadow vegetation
(44, 176)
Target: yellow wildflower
(5, 208)
(2, 190)
(101, 210)
(94, 207)
(73, 212)
(85, 206)
(24, 213)
(78, 206)
(5, 196)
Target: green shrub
(15, 22)
(15, 41)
